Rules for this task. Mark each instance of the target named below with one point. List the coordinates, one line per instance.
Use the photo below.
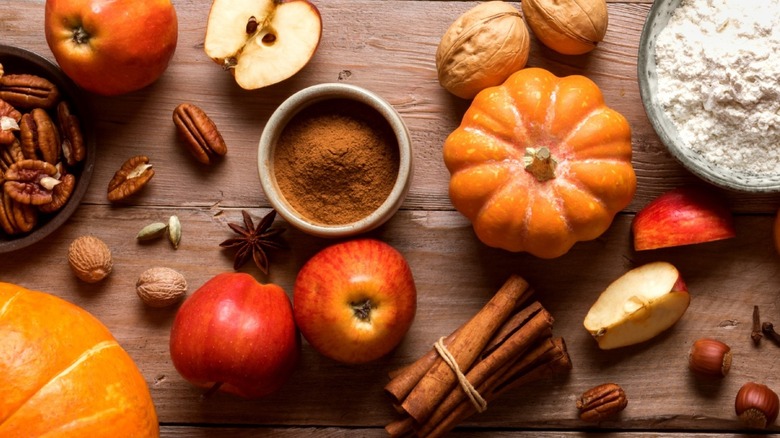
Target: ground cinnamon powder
(336, 161)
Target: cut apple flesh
(638, 306)
(262, 42)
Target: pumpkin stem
(540, 163)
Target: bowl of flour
(709, 81)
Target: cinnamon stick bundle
(465, 348)
(503, 346)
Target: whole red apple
(111, 47)
(354, 301)
(237, 334)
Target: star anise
(254, 242)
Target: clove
(756, 333)
(769, 330)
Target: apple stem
(362, 309)
(209, 392)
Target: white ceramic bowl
(658, 17)
(298, 102)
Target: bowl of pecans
(47, 148)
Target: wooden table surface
(388, 47)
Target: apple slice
(639, 305)
(682, 216)
(262, 42)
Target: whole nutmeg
(756, 405)
(482, 48)
(90, 259)
(710, 358)
(570, 27)
(160, 287)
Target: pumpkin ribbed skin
(63, 374)
(509, 207)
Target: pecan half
(8, 110)
(31, 182)
(25, 91)
(73, 148)
(60, 194)
(15, 217)
(39, 136)
(10, 154)
(199, 132)
(602, 402)
(130, 178)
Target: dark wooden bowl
(17, 60)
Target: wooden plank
(323, 432)
(388, 47)
(361, 46)
(455, 276)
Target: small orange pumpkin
(63, 374)
(539, 163)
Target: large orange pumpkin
(540, 163)
(63, 374)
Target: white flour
(718, 64)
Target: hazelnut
(90, 259)
(160, 287)
(710, 358)
(756, 405)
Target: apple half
(682, 216)
(639, 305)
(262, 42)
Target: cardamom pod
(174, 231)
(152, 231)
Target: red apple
(682, 216)
(236, 334)
(776, 231)
(354, 301)
(111, 47)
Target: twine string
(479, 403)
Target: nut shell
(482, 48)
(756, 405)
(90, 259)
(710, 358)
(570, 27)
(161, 287)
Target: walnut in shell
(570, 27)
(482, 48)
(90, 259)
(161, 287)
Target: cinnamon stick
(505, 354)
(465, 349)
(547, 359)
(403, 380)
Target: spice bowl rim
(305, 98)
(14, 57)
(657, 18)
